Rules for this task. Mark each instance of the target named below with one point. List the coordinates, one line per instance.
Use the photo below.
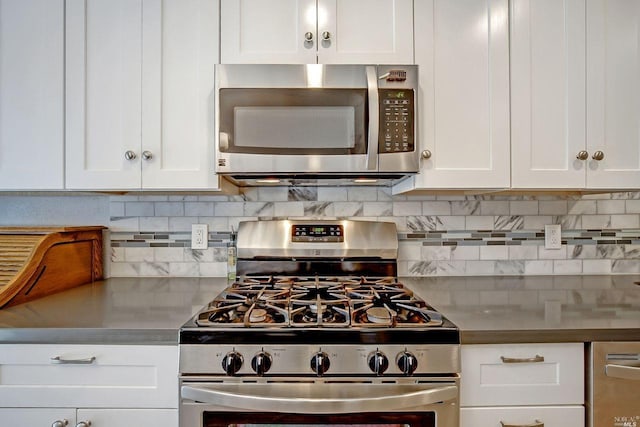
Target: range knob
(261, 362)
(378, 362)
(407, 362)
(320, 363)
(232, 362)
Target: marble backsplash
(439, 235)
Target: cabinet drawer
(89, 375)
(522, 374)
(549, 416)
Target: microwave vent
(396, 76)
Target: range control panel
(396, 120)
(317, 233)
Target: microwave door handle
(622, 372)
(374, 117)
(319, 402)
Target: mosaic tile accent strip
(164, 239)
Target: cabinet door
(180, 49)
(613, 93)
(462, 48)
(548, 416)
(31, 94)
(129, 417)
(103, 93)
(268, 31)
(365, 31)
(548, 93)
(19, 417)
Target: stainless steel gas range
(318, 331)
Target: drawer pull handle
(536, 359)
(622, 371)
(59, 360)
(536, 423)
(60, 423)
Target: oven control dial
(232, 362)
(320, 363)
(378, 362)
(261, 362)
(407, 362)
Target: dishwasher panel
(614, 397)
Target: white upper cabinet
(317, 31)
(613, 93)
(548, 93)
(575, 73)
(462, 48)
(139, 94)
(31, 94)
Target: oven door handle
(305, 398)
(622, 372)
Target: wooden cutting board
(39, 261)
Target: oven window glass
(369, 419)
(294, 121)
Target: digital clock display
(317, 233)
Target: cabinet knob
(84, 424)
(308, 36)
(598, 155)
(426, 154)
(326, 35)
(130, 155)
(582, 155)
(60, 423)
(147, 155)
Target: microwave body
(316, 121)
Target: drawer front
(88, 376)
(522, 374)
(129, 417)
(548, 416)
(27, 417)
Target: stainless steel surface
(308, 36)
(582, 155)
(326, 35)
(535, 359)
(147, 155)
(426, 154)
(273, 239)
(60, 423)
(130, 155)
(536, 423)
(344, 359)
(61, 361)
(623, 372)
(320, 398)
(614, 386)
(374, 118)
(246, 168)
(598, 155)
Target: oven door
(311, 404)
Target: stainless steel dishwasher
(614, 395)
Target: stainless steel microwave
(310, 124)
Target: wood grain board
(38, 261)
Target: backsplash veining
(439, 235)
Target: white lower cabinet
(124, 385)
(534, 416)
(522, 385)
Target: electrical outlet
(199, 236)
(552, 236)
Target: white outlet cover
(552, 236)
(199, 236)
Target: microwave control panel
(396, 121)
